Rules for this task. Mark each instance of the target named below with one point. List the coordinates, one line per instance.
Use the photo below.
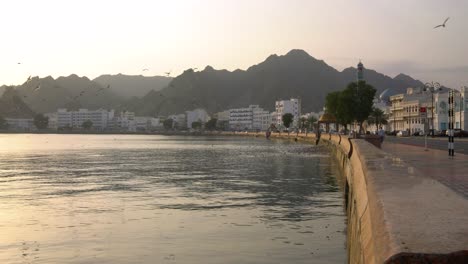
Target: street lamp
(432, 87)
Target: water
(161, 199)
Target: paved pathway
(441, 143)
(452, 172)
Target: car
(402, 133)
(392, 133)
(457, 132)
(418, 133)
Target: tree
(352, 104)
(3, 123)
(377, 117)
(303, 122)
(287, 120)
(88, 124)
(41, 121)
(223, 125)
(211, 124)
(362, 100)
(196, 125)
(310, 121)
(168, 123)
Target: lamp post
(432, 87)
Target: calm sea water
(167, 199)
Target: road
(441, 143)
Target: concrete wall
(395, 214)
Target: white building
(291, 106)
(241, 118)
(261, 119)
(405, 110)
(147, 123)
(23, 124)
(223, 116)
(75, 119)
(197, 115)
(178, 121)
(53, 120)
(249, 118)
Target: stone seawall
(395, 214)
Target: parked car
(402, 133)
(418, 133)
(457, 132)
(391, 133)
(437, 133)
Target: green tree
(211, 124)
(196, 125)
(352, 104)
(362, 100)
(223, 125)
(377, 117)
(310, 121)
(41, 121)
(3, 123)
(287, 120)
(88, 124)
(303, 122)
(168, 123)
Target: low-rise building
(75, 119)
(249, 118)
(20, 124)
(197, 115)
(291, 106)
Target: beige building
(405, 111)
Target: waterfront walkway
(434, 163)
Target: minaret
(360, 72)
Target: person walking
(381, 135)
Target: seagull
(168, 73)
(145, 69)
(442, 25)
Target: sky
(90, 38)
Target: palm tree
(377, 117)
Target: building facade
(249, 118)
(291, 106)
(405, 110)
(75, 119)
(20, 124)
(197, 115)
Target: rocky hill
(296, 74)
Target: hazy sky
(97, 37)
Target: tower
(360, 72)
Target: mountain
(44, 95)
(296, 74)
(12, 106)
(128, 86)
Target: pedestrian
(381, 134)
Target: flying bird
(145, 69)
(168, 73)
(443, 24)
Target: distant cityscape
(249, 118)
(402, 112)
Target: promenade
(434, 164)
